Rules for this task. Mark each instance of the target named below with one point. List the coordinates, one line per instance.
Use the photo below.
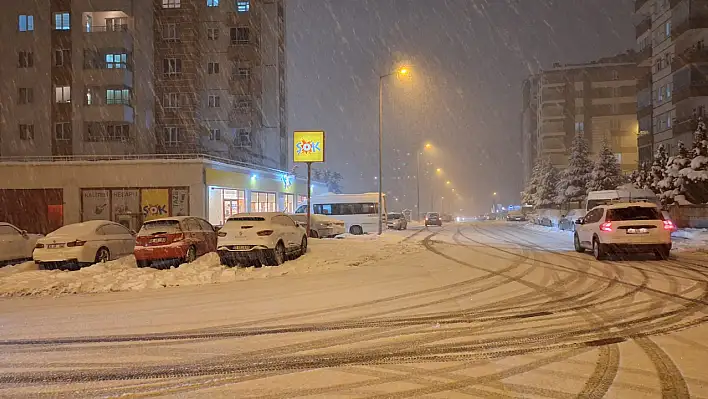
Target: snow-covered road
(477, 310)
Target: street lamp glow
(439, 170)
(428, 146)
(403, 71)
(448, 182)
(495, 194)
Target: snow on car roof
(628, 204)
(83, 226)
(177, 218)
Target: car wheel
(144, 263)
(303, 246)
(598, 249)
(663, 253)
(103, 255)
(314, 233)
(576, 244)
(277, 255)
(356, 230)
(191, 255)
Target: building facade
(597, 99)
(671, 37)
(115, 77)
(529, 124)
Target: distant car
(396, 221)
(432, 219)
(86, 243)
(182, 238)
(321, 226)
(269, 238)
(16, 244)
(624, 227)
(516, 217)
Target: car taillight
(221, 234)
(669, 225)
(76, 243)
(39, 246)
(607, 227)
(263, 233)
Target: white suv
(624, 227)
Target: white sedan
(84, 243)
(321, 226)
(15, 244)
(268, 238)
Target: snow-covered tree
(548, 181)
(658, 169)
(527, 197)
(641, 178)
(696, 173)
(333, 180)
(606, 173)
(574, 179)
(673, 187)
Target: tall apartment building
(111, 77)
(529, 124)
(671, 37)
(598, 99)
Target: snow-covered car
(81, 244)
(515, 216)
(396, 221)
(321, 226)
(624, 227)
(16, 244)
(182, 238)
(269, 238)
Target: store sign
(180, 202)
(95, 204)
(155, 203)
(124, 202)
(309, 146)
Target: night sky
(468, 58)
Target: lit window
(62, 131)
(170, 3)
(212, 3)
(116, 61)
(26, 23)
(61, 21)
(243, 5)
(214, 101)
(62, 94)
(117, 96)
(579, 127)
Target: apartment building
(671, 37)
(110, 77)
(529, 124)
(598, 99)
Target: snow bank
(695, 240)
(124, 275)
(547, 229)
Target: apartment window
(214, 101)
(169, 32)
(579, 93)
(62, 94)
(618, 157)
(660, 94)
(25, 23)
(615, 75)
(212, 33)
(170, 3)
(25, 59)
(614, 124)
(240, 35)
(215, 134)
(614, 108)
(171, 100)
(62, 57)
(25, 95)
(243, 105)
(212, 3)
(669, 89)
(116, 24)
(61, 21)
(117, 96)
(579, 127)
(213, 68)
(244, 73)
(62, 131)
(667, 29)
(243, 138)
(243, 5)
(171, 135)
(91, 95)
(116, 61)
(26, 132)
(172, 66)
(117, 132)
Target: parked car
(268, 238)
(182, 238)
(624, 227)
(432, 219)
(15, 244)
(397, 221)
(86, 243)
(321, 226)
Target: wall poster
(95, 204)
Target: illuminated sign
(309, 147)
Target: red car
(182, 238)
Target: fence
(689, 216)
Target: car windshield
(433, 215)
(159, 226)
(394, 215)
(633, 213)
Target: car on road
(432, 219)
(80, 244)
(624, 227)
(396, 221)
(15, 244)
(321, 226)
(269, 238)
(515, 216)
(182, 238)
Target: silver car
(397, 221)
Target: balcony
(697, 88)
(642, 27)
(644, 140)
(553, 96)
(685, 125)
(644, 54)
(109, 76)
(690, 56)
(644, 110)
(614, 109)
(638, 4)
(694, 22)
(112, 113)
(644, 82)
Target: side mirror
(24, 233)
(133, 232)
(579, 221)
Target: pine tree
(606, 173)
(548, 181)
(658, 169)
(527, 197)
(573, 183)
(696, 173)
(674, 185)
(642, 179)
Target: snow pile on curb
(547, 229)
(123, 274)
(690, 240)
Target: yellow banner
(155, 203)
(309, 147)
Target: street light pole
(381, 152)
(417, 180)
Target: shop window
(263, 202)
(234, 202)
(288, 203)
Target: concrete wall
(694, 216)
